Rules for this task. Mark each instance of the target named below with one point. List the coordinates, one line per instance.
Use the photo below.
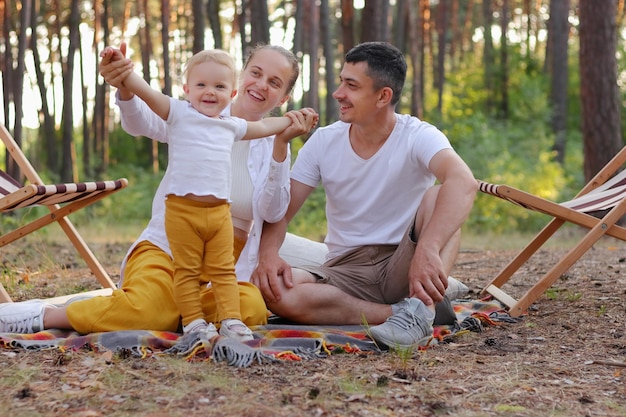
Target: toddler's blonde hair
(212, 55)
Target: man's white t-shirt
(370, 201)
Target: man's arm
(438, 227)
(271, 266)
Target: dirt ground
(567, 357)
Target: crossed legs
(312, 302)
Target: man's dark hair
(386, 65)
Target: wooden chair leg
(599, 230)
(4, 295)
(92, 262)
(58, 215)
(530, 249)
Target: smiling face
(210, 87)
(265, 83)
(356, 94)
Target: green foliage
(134, 203)
(574, 296)
(311, 219)
(136, 151)
(8, 277)
(516, 151)
(552, 293)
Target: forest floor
(566, 357)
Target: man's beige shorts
(377, 273)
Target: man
(393, 235)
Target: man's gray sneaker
(22, 317)
(444, 311)
(456, 289)
(410, 322)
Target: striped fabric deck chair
(60, 199)
(597, 207)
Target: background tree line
(528, 91)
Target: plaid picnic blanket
(272, 342)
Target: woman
(260, 192)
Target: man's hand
(271, 275)
(427, 278)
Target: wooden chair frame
(58, 213)
(606, 192)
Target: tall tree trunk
(6, 66)
(101, 110)
(332, 110)
(416, 51)
(242, 20)
(455, 31)
(374, 25)
(467, 30)
(558, 28)
(85, 112)
(311, 42)
(401, 22)
(347, 25)
(56, 56)
(599, 93)
(145, 42)
(49, 131)
(425, 45)
(299, 29)
(213, 12)
(488, 55)
(504, 61)
(527, 39)
(259, 22)
(442, 28)
(101, 113)
(197, 9)
(298, 40)
(155, 146)
(17, 79)
(68, 154)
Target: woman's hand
(302, 121)
(115, 67)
